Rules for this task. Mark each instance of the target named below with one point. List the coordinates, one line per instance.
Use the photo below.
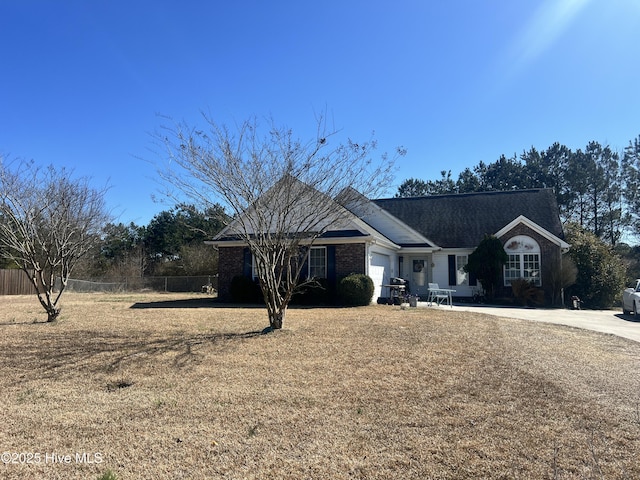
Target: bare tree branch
(48, 221)
(282, 193)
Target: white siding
(441, 269)
(441, 272)
(381, 267)
(380, 272)
(387, 224)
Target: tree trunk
(52, 314)
(44, 292)
(276, 306)
(276, 319)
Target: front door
(417, 271)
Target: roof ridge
(471, 215)
(469, 194)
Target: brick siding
(230, 264)
(550, 257)
(350, 258)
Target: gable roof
(462, 220)
(536, 228)
(382, 221)
(292, 202)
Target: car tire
(624, 310)
(635, 310)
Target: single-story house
(428, 240)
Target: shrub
(486, 263)
(244, 290)
(601, 273)
(355, 290)
(526, 292)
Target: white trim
(536, 228)
(458, 268)
(458, 250)
(371, 236)
(254, 273)
(351, 221)
(418, 250)
(420, 238)
(317, 241)
(537, 280)
(360, 212)
(326, 267)
(520, 252)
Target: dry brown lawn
(151, 386)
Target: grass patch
(108, 475)
(374, 392)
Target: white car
(631, 300)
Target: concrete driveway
(605, 321)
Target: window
(462, 277)
(318, 262)
(254, 268)
(523, 260)
(457, 275)
(512, 269)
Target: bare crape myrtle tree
(48, 221)
(281, 193)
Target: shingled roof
(462, 220)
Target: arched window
(524, 260)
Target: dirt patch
(197, 391)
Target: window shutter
(331, 262)
(452, 269)
(246, 263)
(304, 273)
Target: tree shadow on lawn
(182, 347)
(215, 303)
(162, 304)
(192, 303)
(104, 352)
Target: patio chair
(439, 295)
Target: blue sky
(454, 82)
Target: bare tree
(282, 193)
(48, 221)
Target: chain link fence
(202, 283)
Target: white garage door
(379, 269)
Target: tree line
(74, 231)
(171, 244)
(53, 225)
(283, 193)
(596, 187)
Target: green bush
(244, 290)
(486, 263)
(355, 290)
(601, 273)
